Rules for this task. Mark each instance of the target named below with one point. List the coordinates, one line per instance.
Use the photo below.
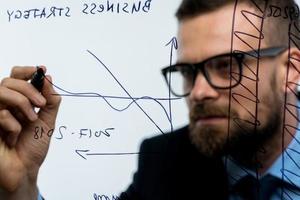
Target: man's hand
(21, 155)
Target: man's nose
(202, 90)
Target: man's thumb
(49, 112)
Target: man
(239, 68)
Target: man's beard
(244, 139)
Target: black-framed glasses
(221, 72)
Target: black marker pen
(38, 79)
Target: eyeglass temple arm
(274, 51)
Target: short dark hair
(192, 8)
(276, 28)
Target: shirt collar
(286, 167)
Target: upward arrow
(174, 46)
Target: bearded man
(238, 68)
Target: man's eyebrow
(199, 61)
(178, 62)
(183, 62)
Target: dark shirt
(170, 167)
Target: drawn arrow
(85, 153)
(174, 46)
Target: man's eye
(222, 65)
(186, 72)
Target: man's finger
(10, 126)
(26, 89)
(48, 113)
(13, 99)
(24, 73)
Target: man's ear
(291, 60)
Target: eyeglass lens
(220, 72)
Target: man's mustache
(210, 110)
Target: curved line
(134, 99)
